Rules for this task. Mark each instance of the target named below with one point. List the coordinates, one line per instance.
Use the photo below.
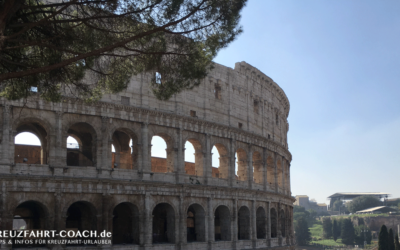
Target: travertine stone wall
(237, 110)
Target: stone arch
(258, 171)
(125, 224)
(222, 223)
(32, 154)
(81, 215)
(244, 223)
(86, 155)
(260, 223)
(126, 153)
(30, 215)
(274, 223)
(163, 223)
(223, 169)
(270, 172)
(197, 167)
(242, 169)
(161, 165)
(195, 223)
(282, 223)
(279, 172)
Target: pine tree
(347, 232)
(383, 239)
(396, 242)
(391, 240)
(335, 230)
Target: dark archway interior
(196, 230)
(28, 216)
(81, 216)
(125, 224)
(283, 223)
(222, 224)
(163, 224)
(274, 226)
(244, 223)
(86, 153)
(260, 221)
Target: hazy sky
(339, 64)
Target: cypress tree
(391, 240)
(383, 242)
(396, 242)
(327, 228)
(335, 231)
(347, 232)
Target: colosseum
(110, 181)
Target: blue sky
(339, 64)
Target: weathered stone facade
(237, 110)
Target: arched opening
(193, 158)
(162, 158)
(125, 224)
(274, 226)
(260, 223)
(163, 224)
(283, 223)
(244, 223)
(81, 216)
(241, 157)
(222, 224)
(270, 173)
(125, 151)
(288, 222)
(29, 215)
(279, 171)
(258, 173)
(220, 161)
(85, 136)
(30, 144)
(195, 223)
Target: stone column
(210, 216)
(275, 172)
(288, 184)
(182, 223)
(278, 224)
(269, 224)
(61, 148)
(234, 223)
(148, 222)
(6, 144)
(264, 166)
(179, 164)
(232, 160)
(283, 175)
(253, 215)
(103, 159)
(207, 162)
(145, 165)
(250, 168)
(54, 142)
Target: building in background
(304, 201)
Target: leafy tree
(313, 213)
(91, 47)
(335, 230)
(396, 242)
(391, 240)
(360, 236)
(383, 240)
(303, 235)
(337, 205)
(327, 228)
(363, 202)
(298, 209)
(347, 232)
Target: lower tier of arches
(148, 214)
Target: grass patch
(328, 242)
(316, 231)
